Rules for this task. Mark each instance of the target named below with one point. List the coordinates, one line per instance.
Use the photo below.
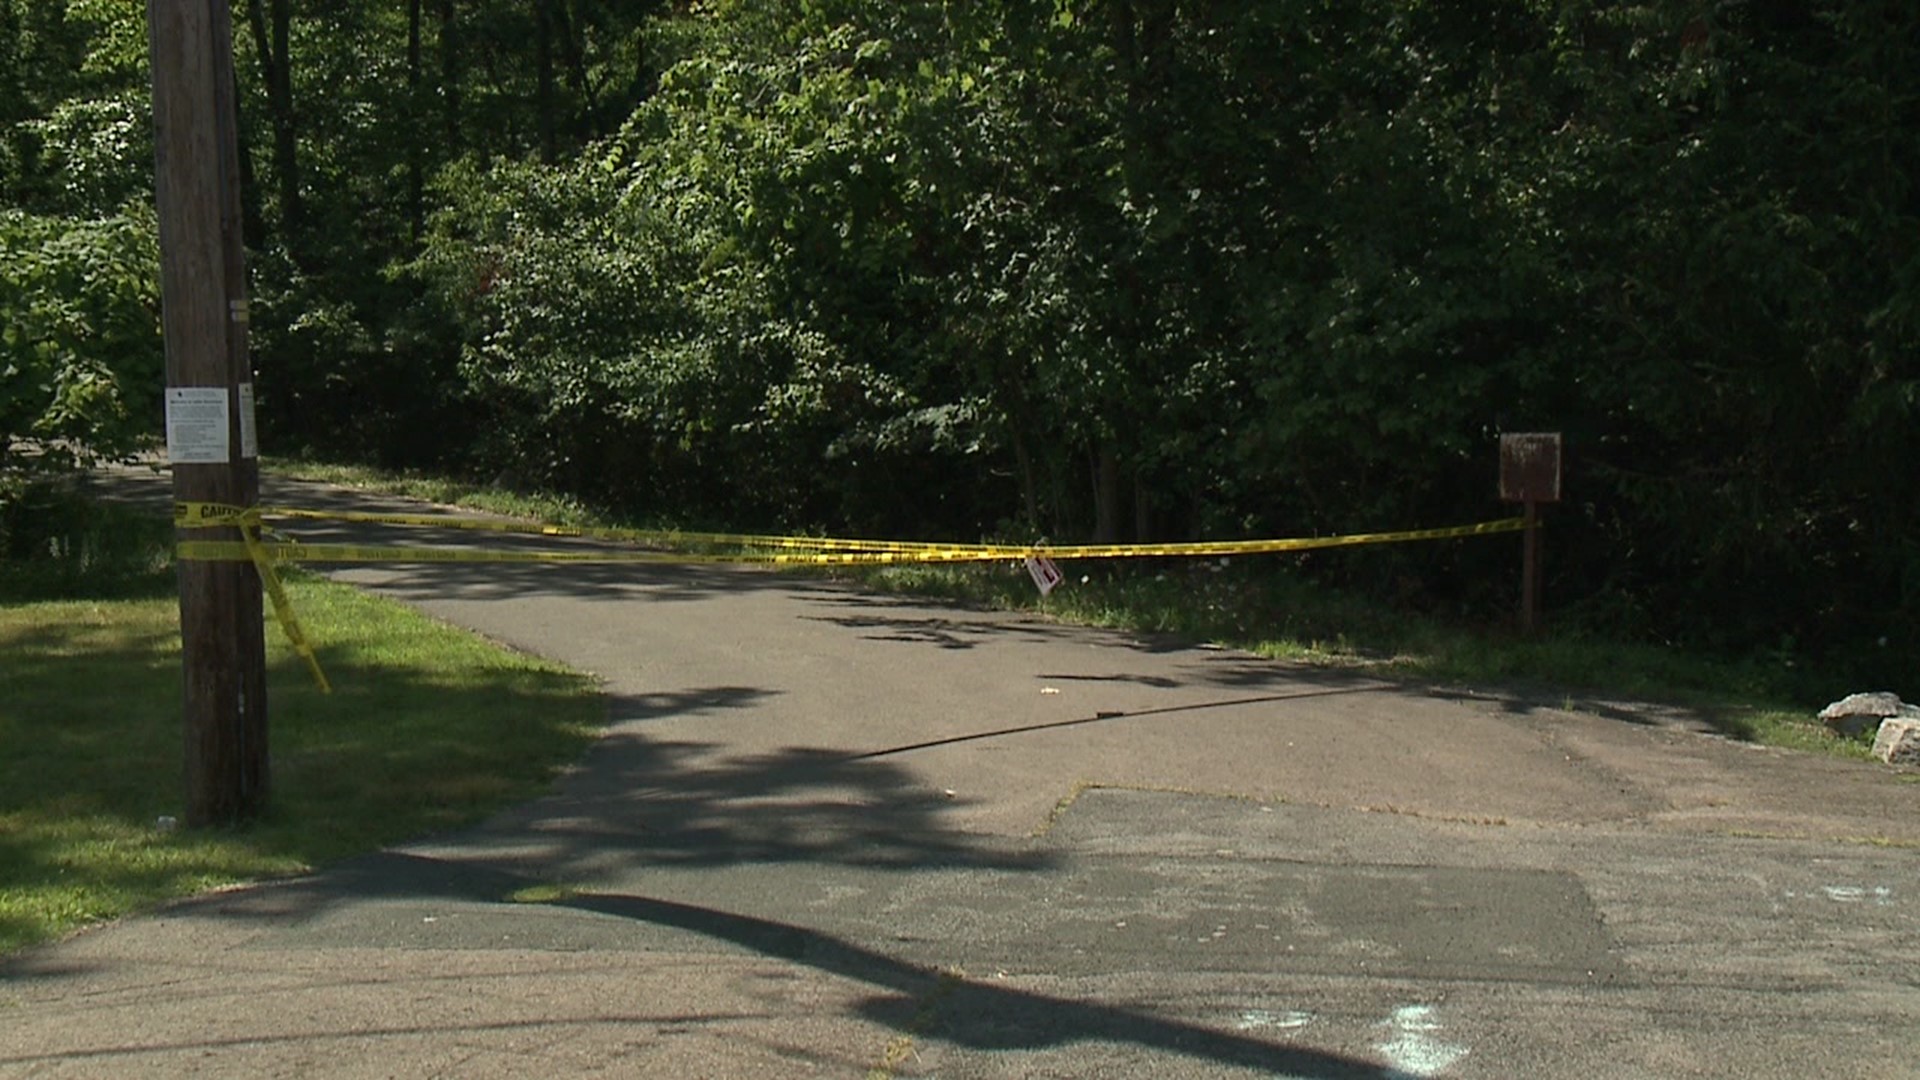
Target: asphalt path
(838, 834)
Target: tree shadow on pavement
(641, 802)
(612, 582)
(912, 998)
(943, 631)
(975, 1015)
(1520, 699)
(1107, 717)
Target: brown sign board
(1530, 467)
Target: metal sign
(1530, 467)
(1046, 576)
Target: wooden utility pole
(210, 436)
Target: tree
(1109, 268)
(79, 342)
(80, 350)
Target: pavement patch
(1237, 902)
(1112, 913)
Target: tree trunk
(416, 182)
(271, 43)
(13, 89)
(573, 51)
(450, 76)
(543, 91)
(286, 147)
(509, 136)
(253, 221)
(1023, 465)
(1018, 412)
(1106, 494)
(1142, 510)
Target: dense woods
(1078, 269)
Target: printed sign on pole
(197, 425)
(249, 431)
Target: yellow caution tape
(670, 547)
(1207, 548)
(190, 515)
(813, 550)
(667, 537)
(361, 553)
(204, 515)
(283, 606)
(220, 550)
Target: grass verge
(429, 728)
(444, 490)
(1264, 610)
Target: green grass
(1264, 610)
(444, 490)
(1261, 606)
(428, 728)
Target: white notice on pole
(197, 425)
(249, 434)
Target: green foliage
(80, 346)
(73, 130)
(667, 346)
(98, 152)
(80, 351)
(1132, 268)
(57, 544)
(357, 359)
(1113, 268)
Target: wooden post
(1530, 572)
(209, 401)
(1530, 474)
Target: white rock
(1856, 713)
(1879, 703)
(1898, 741)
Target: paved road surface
(834, 834)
